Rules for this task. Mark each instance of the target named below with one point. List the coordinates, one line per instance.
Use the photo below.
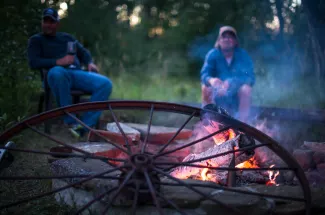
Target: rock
(160, 134)
(314, 177)
(78, 166)
(304, 158)
(319, 157)
(94, 147)
(192, 203)
(182, 196)
(114, 135)
(318, 199)
(75, 197)
(321, 169)
(284, 207)
(246, 204)
(315, 146)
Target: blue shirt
(43, 51)
(239, 72)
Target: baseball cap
(52, 13)
(227, 29)
(224, 29)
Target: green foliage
(150, 60)
(17, 82)
(124, 53)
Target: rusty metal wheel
(142, 174)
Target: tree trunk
(314, 10)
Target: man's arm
(35, 60)
(208, 67)
(83, 54)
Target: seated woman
(227, 75)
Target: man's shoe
(77, 131)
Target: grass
(155, 87)
(29, 164)
(297, 94)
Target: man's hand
(65, 61)
(221, 86)
(215, 82)
(92, 68)
(222, 90)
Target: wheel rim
(145, 164)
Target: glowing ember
(223, 136)
(272, 177)
(251, 163)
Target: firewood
(184, 172)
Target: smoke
(279, 69)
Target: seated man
(227, 75)
(49, 50)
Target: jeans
(62, 80)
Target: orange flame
(251, 163)
(204, 175)
(224, 136)
(272, 177)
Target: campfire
(224, 142)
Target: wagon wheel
(141, 172)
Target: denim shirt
(239, 72)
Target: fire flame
(272, 177)
(251, 163)
(224, 136)
(204, 174)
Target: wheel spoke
(135, 198)
(97, 133)
(99, 197)
(70, 155)
(144, 145)
(122, 185)
(194, 142)
(153, 193)
(57, 141)
(127, 144)
(181, 183)
(175, 135)
(59, 189)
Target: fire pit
(206, 164)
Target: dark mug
(71, 48)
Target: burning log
(244, 177)
(184, 172)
